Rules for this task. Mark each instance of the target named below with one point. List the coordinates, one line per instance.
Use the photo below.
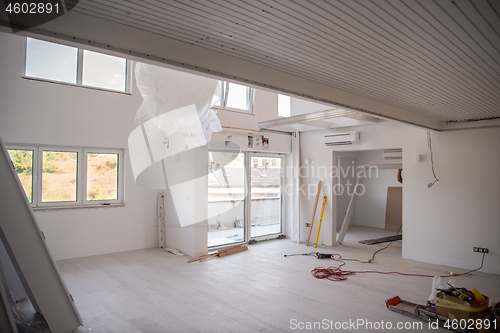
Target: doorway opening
(373, 208)
(244, 196)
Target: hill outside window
(56, 177)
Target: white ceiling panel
(438, 59)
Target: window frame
(119, 178)
(81, 179)
(34, 168)
(269, 155)
(224, 97)
(248, 165)
(79, 74)
(39, 202)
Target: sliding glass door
(226, 198)
(266, 180)
(234, 216)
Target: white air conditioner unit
(342, 139)
(393, 154)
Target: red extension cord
(337, 274)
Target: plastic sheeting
(165, 90)
(168, 149)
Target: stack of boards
(221, 253)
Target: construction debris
(456, 309)
(221, 253)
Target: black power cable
(373, 257)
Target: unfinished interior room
(249, 166)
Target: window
(23, 163)
(51, 61)
(104, 71)
(102, 176)
(236, 97)
(59, 176)
(284, 105)
(70, 65)
(62, 176)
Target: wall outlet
(481, 250)
(308, 225)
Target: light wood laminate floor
(258, 290)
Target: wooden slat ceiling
(436, 58)
(440, 59)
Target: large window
(62, 176)
(65, 64)
(236, 97)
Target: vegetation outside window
(76, 177)
(59, 176)
(23, 164)
(102, 176)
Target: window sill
(29, 78)
(46, 208)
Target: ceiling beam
(111, 38)
(473, 124)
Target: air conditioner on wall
(393, 154)
(342, 139)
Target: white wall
(45, 113)
(371, 206)
(314, 150)
(301, 106)
(442, 223)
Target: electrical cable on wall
(432, 160)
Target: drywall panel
(30, 255)
(54, 114)
(464, 201)
(394, 208)
(10, 276)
